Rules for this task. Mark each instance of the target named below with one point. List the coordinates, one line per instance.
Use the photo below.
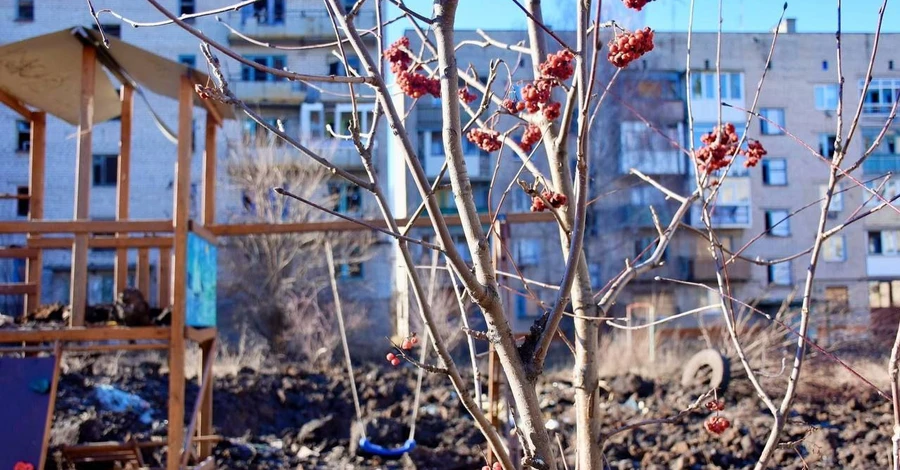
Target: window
(111, 29)
(105, 170)
(250, 74)
(265, 12)
(884, 242)
(826, 145)
(837, 198)
(255, 131)
(187, 7)
(22, 204)
(346, 197)
(889, 190)
(774, 171)
(336, 67)
(353, 268)
(884, 294)
(837, 298)
(25, 10)
(521, 304)
(888, 145)
(703, 86)
(777, 223)
(528, 252)
(826, 97)
(23, 136)
(880, 96)
(773, 124)
(834, 249)
(188, 59)
(780, 274)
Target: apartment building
(858, 273)
(305, 112)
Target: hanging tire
(707, 369)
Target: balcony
(269, 92)
(724, 216)
(653, 162)
(881, 164)
(479, 166)
(704, 270)
(883, 266)
(292, 25)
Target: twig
(216, 11)
(671, 419)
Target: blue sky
(672, 15)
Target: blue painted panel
(201, 282)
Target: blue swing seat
(368, 447)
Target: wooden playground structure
(64, 74)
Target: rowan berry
(390, 357)
(558, 65)
(551, 111)
(636, 4)
(414, 340)
(628, 47)
(715, 405)
(486, 139)
(395, 362)
(511, 106)
(716, 424)
(466, 96)
(407, 345)
(530, 137)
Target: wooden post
(143, 272)
(83, 164)
(164, 277)
(208, 214)
(207, 357)
(182, 201)
(37, 164)
(123, 186)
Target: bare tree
(551, 122)
(288, 302)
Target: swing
(365, 445)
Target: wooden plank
(19, 253)
(143, 272)
(18, 289)
(83, 166)
(14, 196)
(54, 385)
(181, 209)
(226, 230)
(208, 358)
(149, 333)
(37, 165)
(164, 277)
(90, 348)
(208, 202)
(205, 384)
(120, 265)
(87, 226)
(200, 335)
(204, 233)
(59, 243)
(15, 104)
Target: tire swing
(365, 446)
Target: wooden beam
(200, 335)
(205, 384)
(120, 266)
(230, 230)
(83, 166)
(51, 406)
(148, 333)
(207, 359)
(17, 289)
(164, 277)
(202, 231)
(143, 273)
(19, 253)
(65, 243)
(208, 203)
(15, 104)
(14, 196)
(37, 164)
(181, 210)
(87, 226)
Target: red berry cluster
(531, 136)
(636, 4)
(23, 466)
(556, 200)
(716, 424)
(496, 466)
(393, 359)
(486, 139)
(466, 96)
(715, 405)
(558, 65)
(412, 83)
(630, 46)
(408, 343)
(720, 145)
(754, 153)
(536, 95)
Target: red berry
(486, 139)
(395, 362)
(630, 46)
(391, 357)
(498, 466)
(466, 96)
(715, 405)
(636, 4)
(558, 65)
(407, 345)
(716, 424)
(414, 340)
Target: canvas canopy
(44, 72)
